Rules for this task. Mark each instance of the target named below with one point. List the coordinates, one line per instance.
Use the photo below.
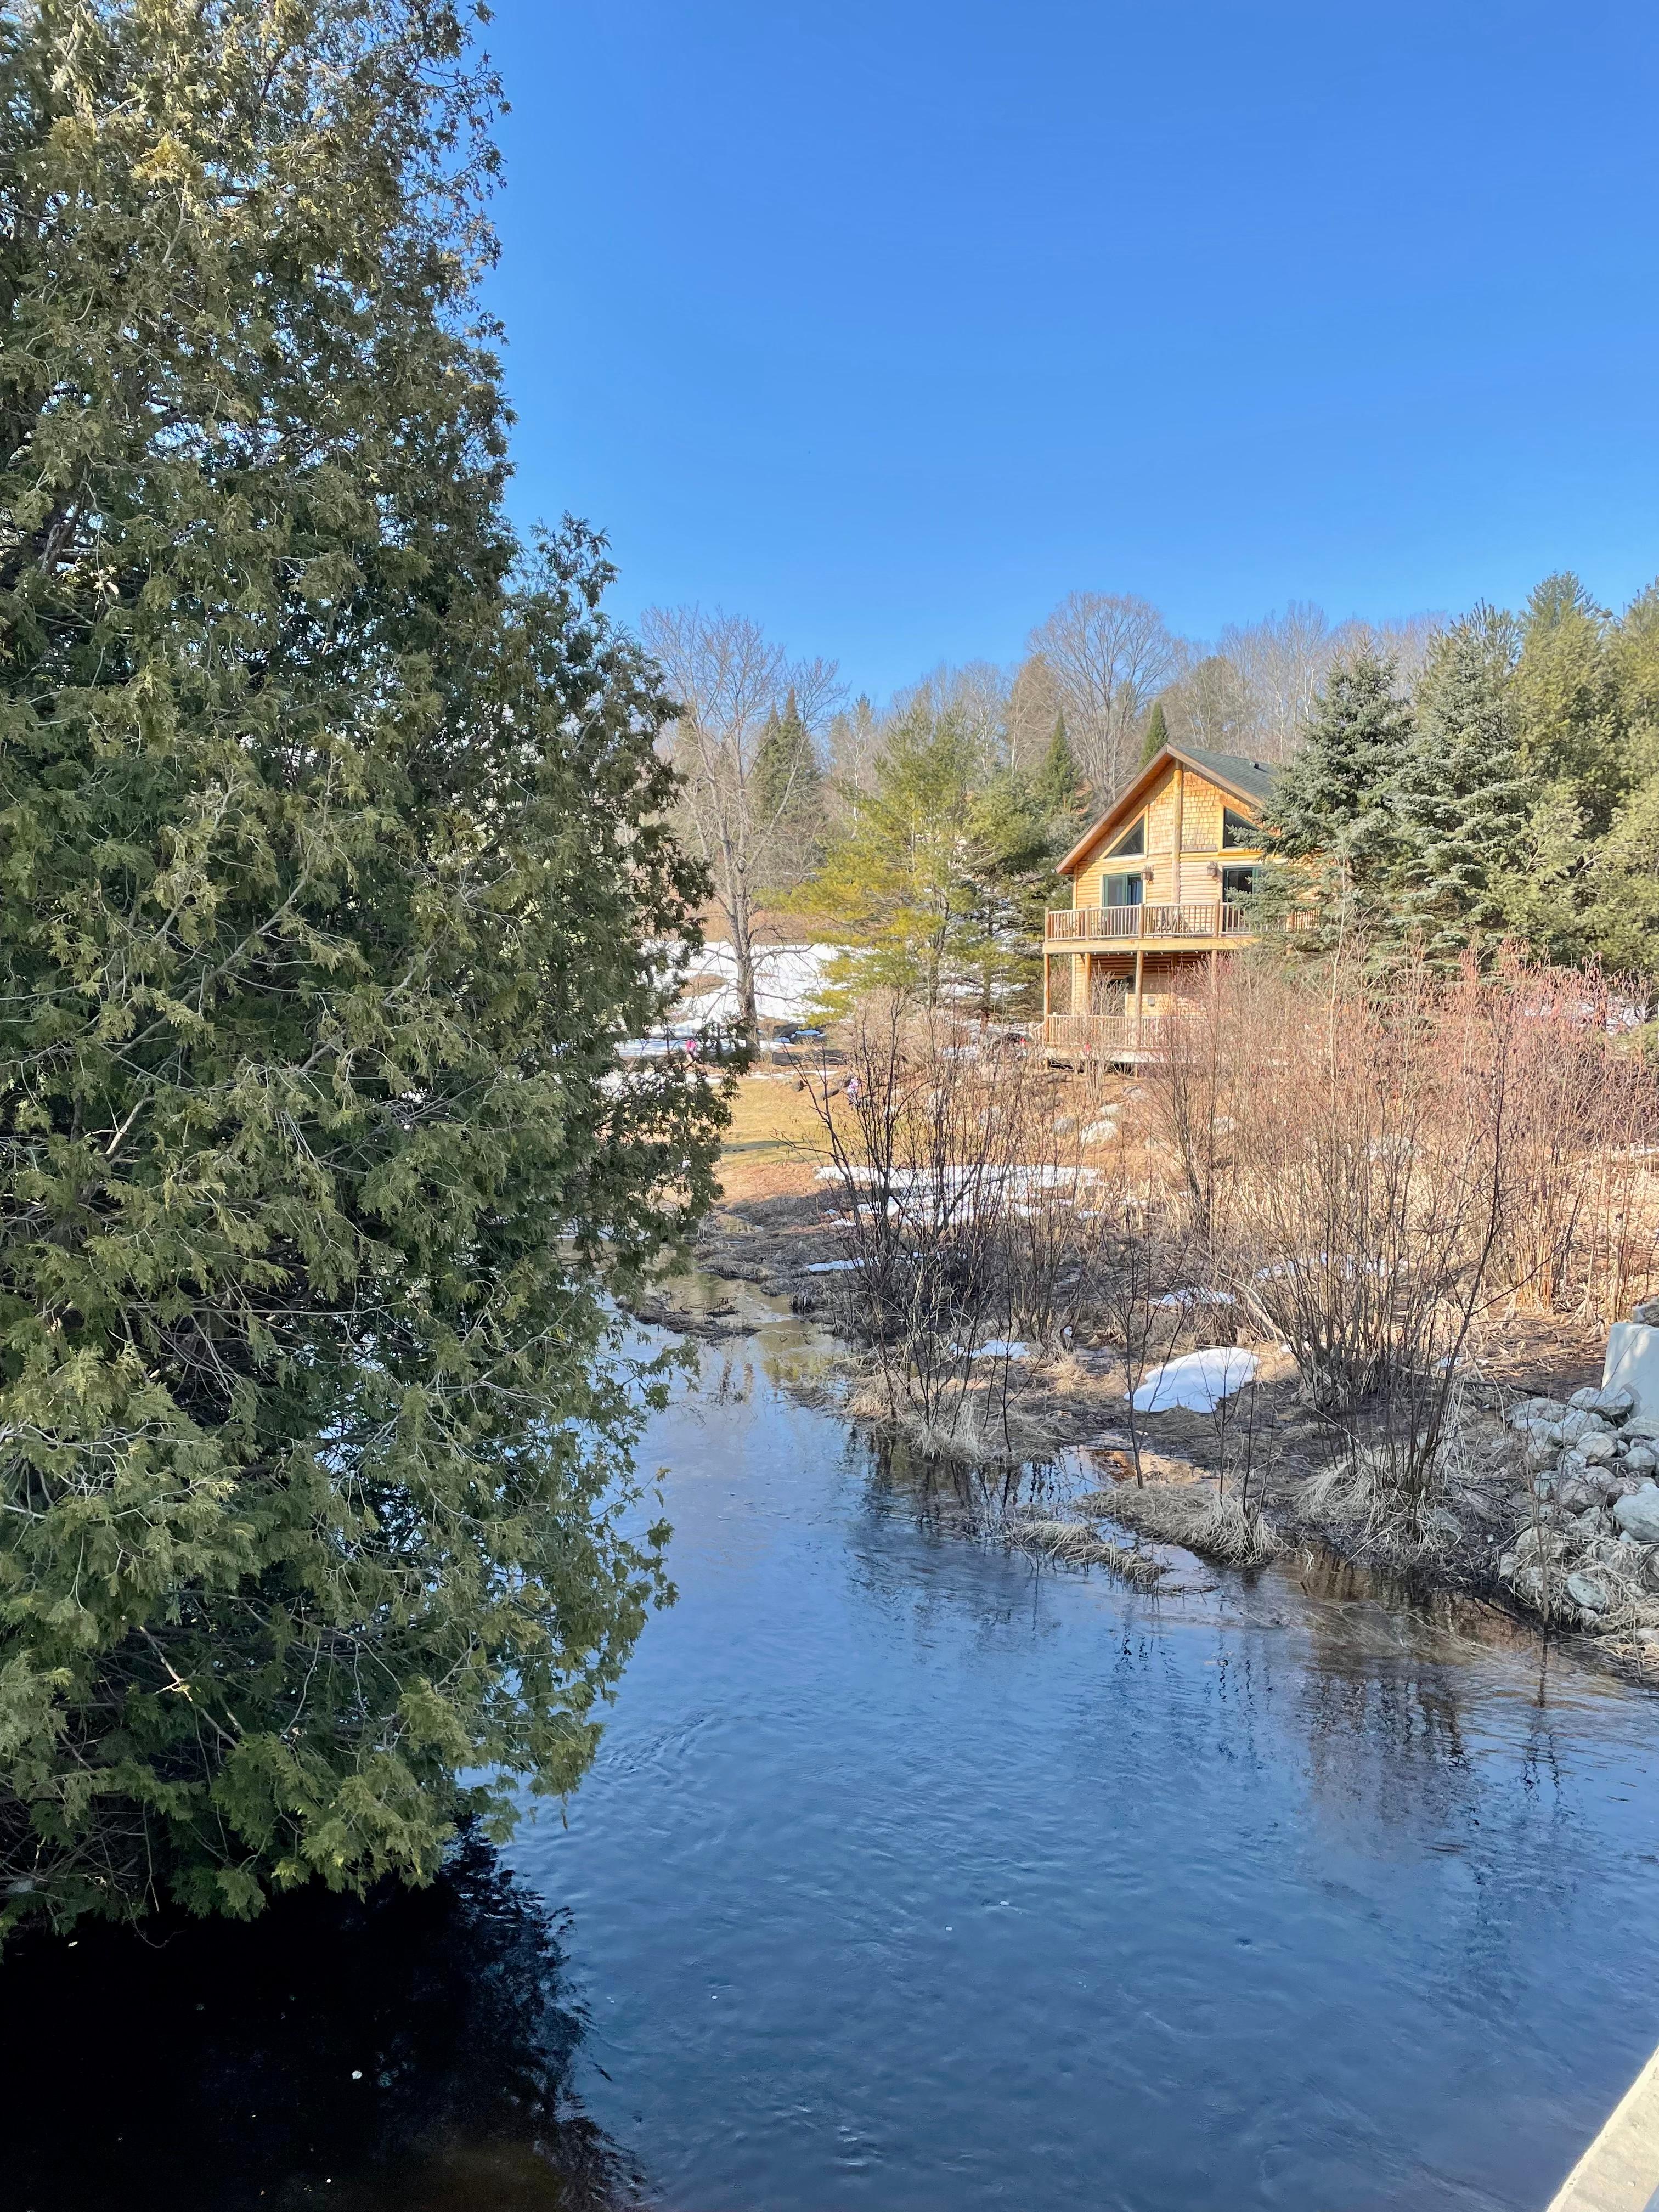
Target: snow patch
(1198, 1381)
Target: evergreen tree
(1569, 708)
(1058, 786)
(1158, 733)
(788, 798)
(1460, 797)
(899, 876)
(1588, 696)
(333, 854)
(1331, 832)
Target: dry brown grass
(1191, 1514)
(768, 1144)
(1079, 1546)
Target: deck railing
(1137, 925)
(1103, 1035)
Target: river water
(913, 1874)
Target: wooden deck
(1203, 921)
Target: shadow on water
(408, 2051)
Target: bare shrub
(1371, 1171)
(972, 1226)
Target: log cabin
(1157, 890)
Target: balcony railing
(1107, 1036)
(1140, 925)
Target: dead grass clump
(1078, 1545)
(1190, 1514)
(975, 1427)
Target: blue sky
(889, 322)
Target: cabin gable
(1171, 798)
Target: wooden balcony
(1204, 921)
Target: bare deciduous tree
(854, 740)
(1034, 706)
(1254, 693)
(1282, 659)
(730, 679)
(977, 695)
(1111, 654)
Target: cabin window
(1239, 830)
(1131, 841)
(1237, 883)
(1121, 891)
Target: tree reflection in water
(410, 2051)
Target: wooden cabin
(1157, 885)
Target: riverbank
(1511, 1531)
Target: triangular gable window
(1239, 830)
(1131, 841)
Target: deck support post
(1140, 977)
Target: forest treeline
(1443, 783)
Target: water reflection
(916, 1873)
(410, 2051)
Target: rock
(1640, 1459)
(1507, 1563)
(1600, 1448)
(1574, 1496)
(1543, 1485)
(1536, 1409)
(1590, 1395)
(1537, 1455)
(1647, 1313)
(1445, 1525)
(1581, 1422)
(1587, 1593)
(1637, 1516)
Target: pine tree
(899, 876)
(1570, 712)
(1574, 709)
(334, 855)
(1158, 733)
(1331, 829)
(1460, 796)
(789, 799)
(1058, 786)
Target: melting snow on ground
(789, 982)
(1198, 1381)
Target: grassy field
(773, 1141)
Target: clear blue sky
(889, 322)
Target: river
(913, 1874)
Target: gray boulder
(1587, 1593)
(1640, 1459)
(1580, 1422)
(1637, 1516)
(1600, 1448)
